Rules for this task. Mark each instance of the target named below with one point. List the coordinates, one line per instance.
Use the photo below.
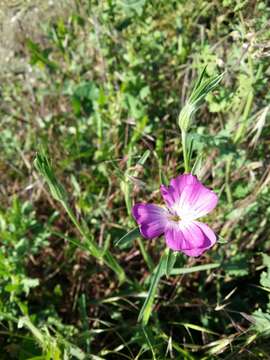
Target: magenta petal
(169, 195)
(191, 238)
(194, 252)
(208, 232)
(181, 181)
(196, 201)
(172, 193)
(151, 218)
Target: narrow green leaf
(39, 55)
(147, 306)
(199, 92)
(26, 322)
(185, 354)
(195, 327)
(144, 157)
(165, 266)
(219, 346)
(111, 261)
(163, 178)
(148, 340)
(44, 166)
(170, 261)
(221, 240)
(199, 81)
(128, 238)
(181, 271)
(205, 87)
(145, 254)
(197, 165)
(118, 172)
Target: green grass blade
(144, 157)
(111, 262)
(201, 89)
(147, 306)
(208, 85)
(181, 271)
(44, 166)
(199, 81)
(195, 327)
(148, 340)
(128, 238)
(170, 261)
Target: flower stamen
(175, 218)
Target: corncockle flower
(187, 199)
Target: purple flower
(186, 200)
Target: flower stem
(185, 151)
(94, 249)
(227, 180)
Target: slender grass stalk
(149, 342)
(126, 182)
(237, 139)
(44, 167)
(199, 92)
(127, 187)
(204, 267)
(147, 258)
(93, 247)
(227, 180)
(240, 133)
(185, 151)
(241, 130)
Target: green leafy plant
(105, 85)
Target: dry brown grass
(20, 20)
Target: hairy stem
(185, 151)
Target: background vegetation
(100, 84)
